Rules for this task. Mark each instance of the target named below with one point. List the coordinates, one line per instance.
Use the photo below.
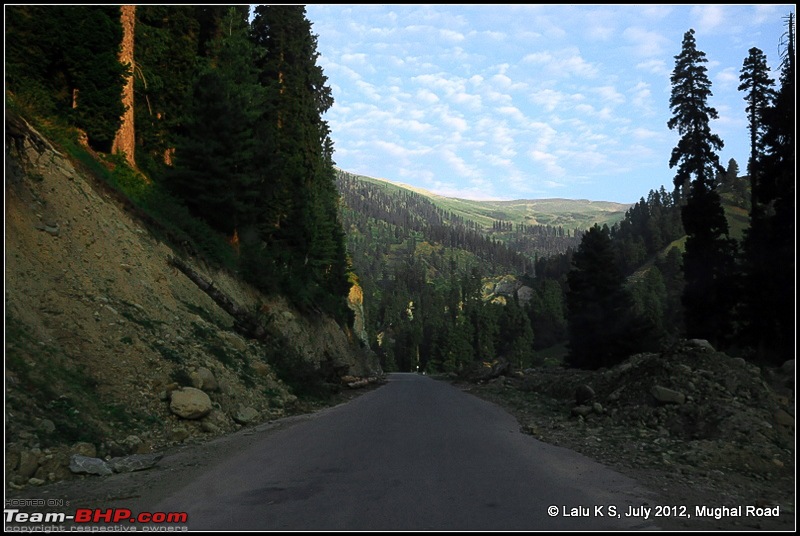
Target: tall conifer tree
(708, 261)
(770, 242)
(757, 84)
(601, 325)
(214, 159)
(297, 183)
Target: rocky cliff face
(110, 351)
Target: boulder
(135, 462)
(667, 396)
(246, 415)
(28, 463)
(90, 466)
(190, 403)
(484, 371)
(205, 380)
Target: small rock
(91, 466)
(701, 344)
(667, 396)
(135, 462)
(47, 426)
(204, 379)
(582, 411)
(783, 418)
(209, 427)
(84, 449)
(179, 434)
(246, 415)
(28, 463)
(583, 394)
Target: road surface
(414, 454)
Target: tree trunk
(246, 323)
(125, 140)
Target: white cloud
(492, 35)
(513, 95)
(646, 43)
(548, 161)
(765, 13)
(398, 150)
(645, 134)
(548, 28)
(426, 96)
(709, 17)
(450, 35)
(360, 58)
(600, 33)
(369, 90)
(655, 66)
(609, 94)
(457, 164)
(655, 12)
(512, 112)
(641, 97)
(547, 98)
(503, 80)
(728, 78)
(454, 122)
(468, 100)
(566, 62)
(544, 135)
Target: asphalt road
(415, 454)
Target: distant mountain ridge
(571, 214)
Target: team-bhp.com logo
(120, 515)
(94, 516)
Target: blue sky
(529, 101)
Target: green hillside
(568, 213)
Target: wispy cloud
(709, 17)
(646, 43)
(566, 62)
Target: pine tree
(601, 325)
(770, 243)
(298, 190)
(214, 158)
(756, 82)
(708, 262)
(167, 54)
(695, 153)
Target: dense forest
(231, 156)
(234, 163)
